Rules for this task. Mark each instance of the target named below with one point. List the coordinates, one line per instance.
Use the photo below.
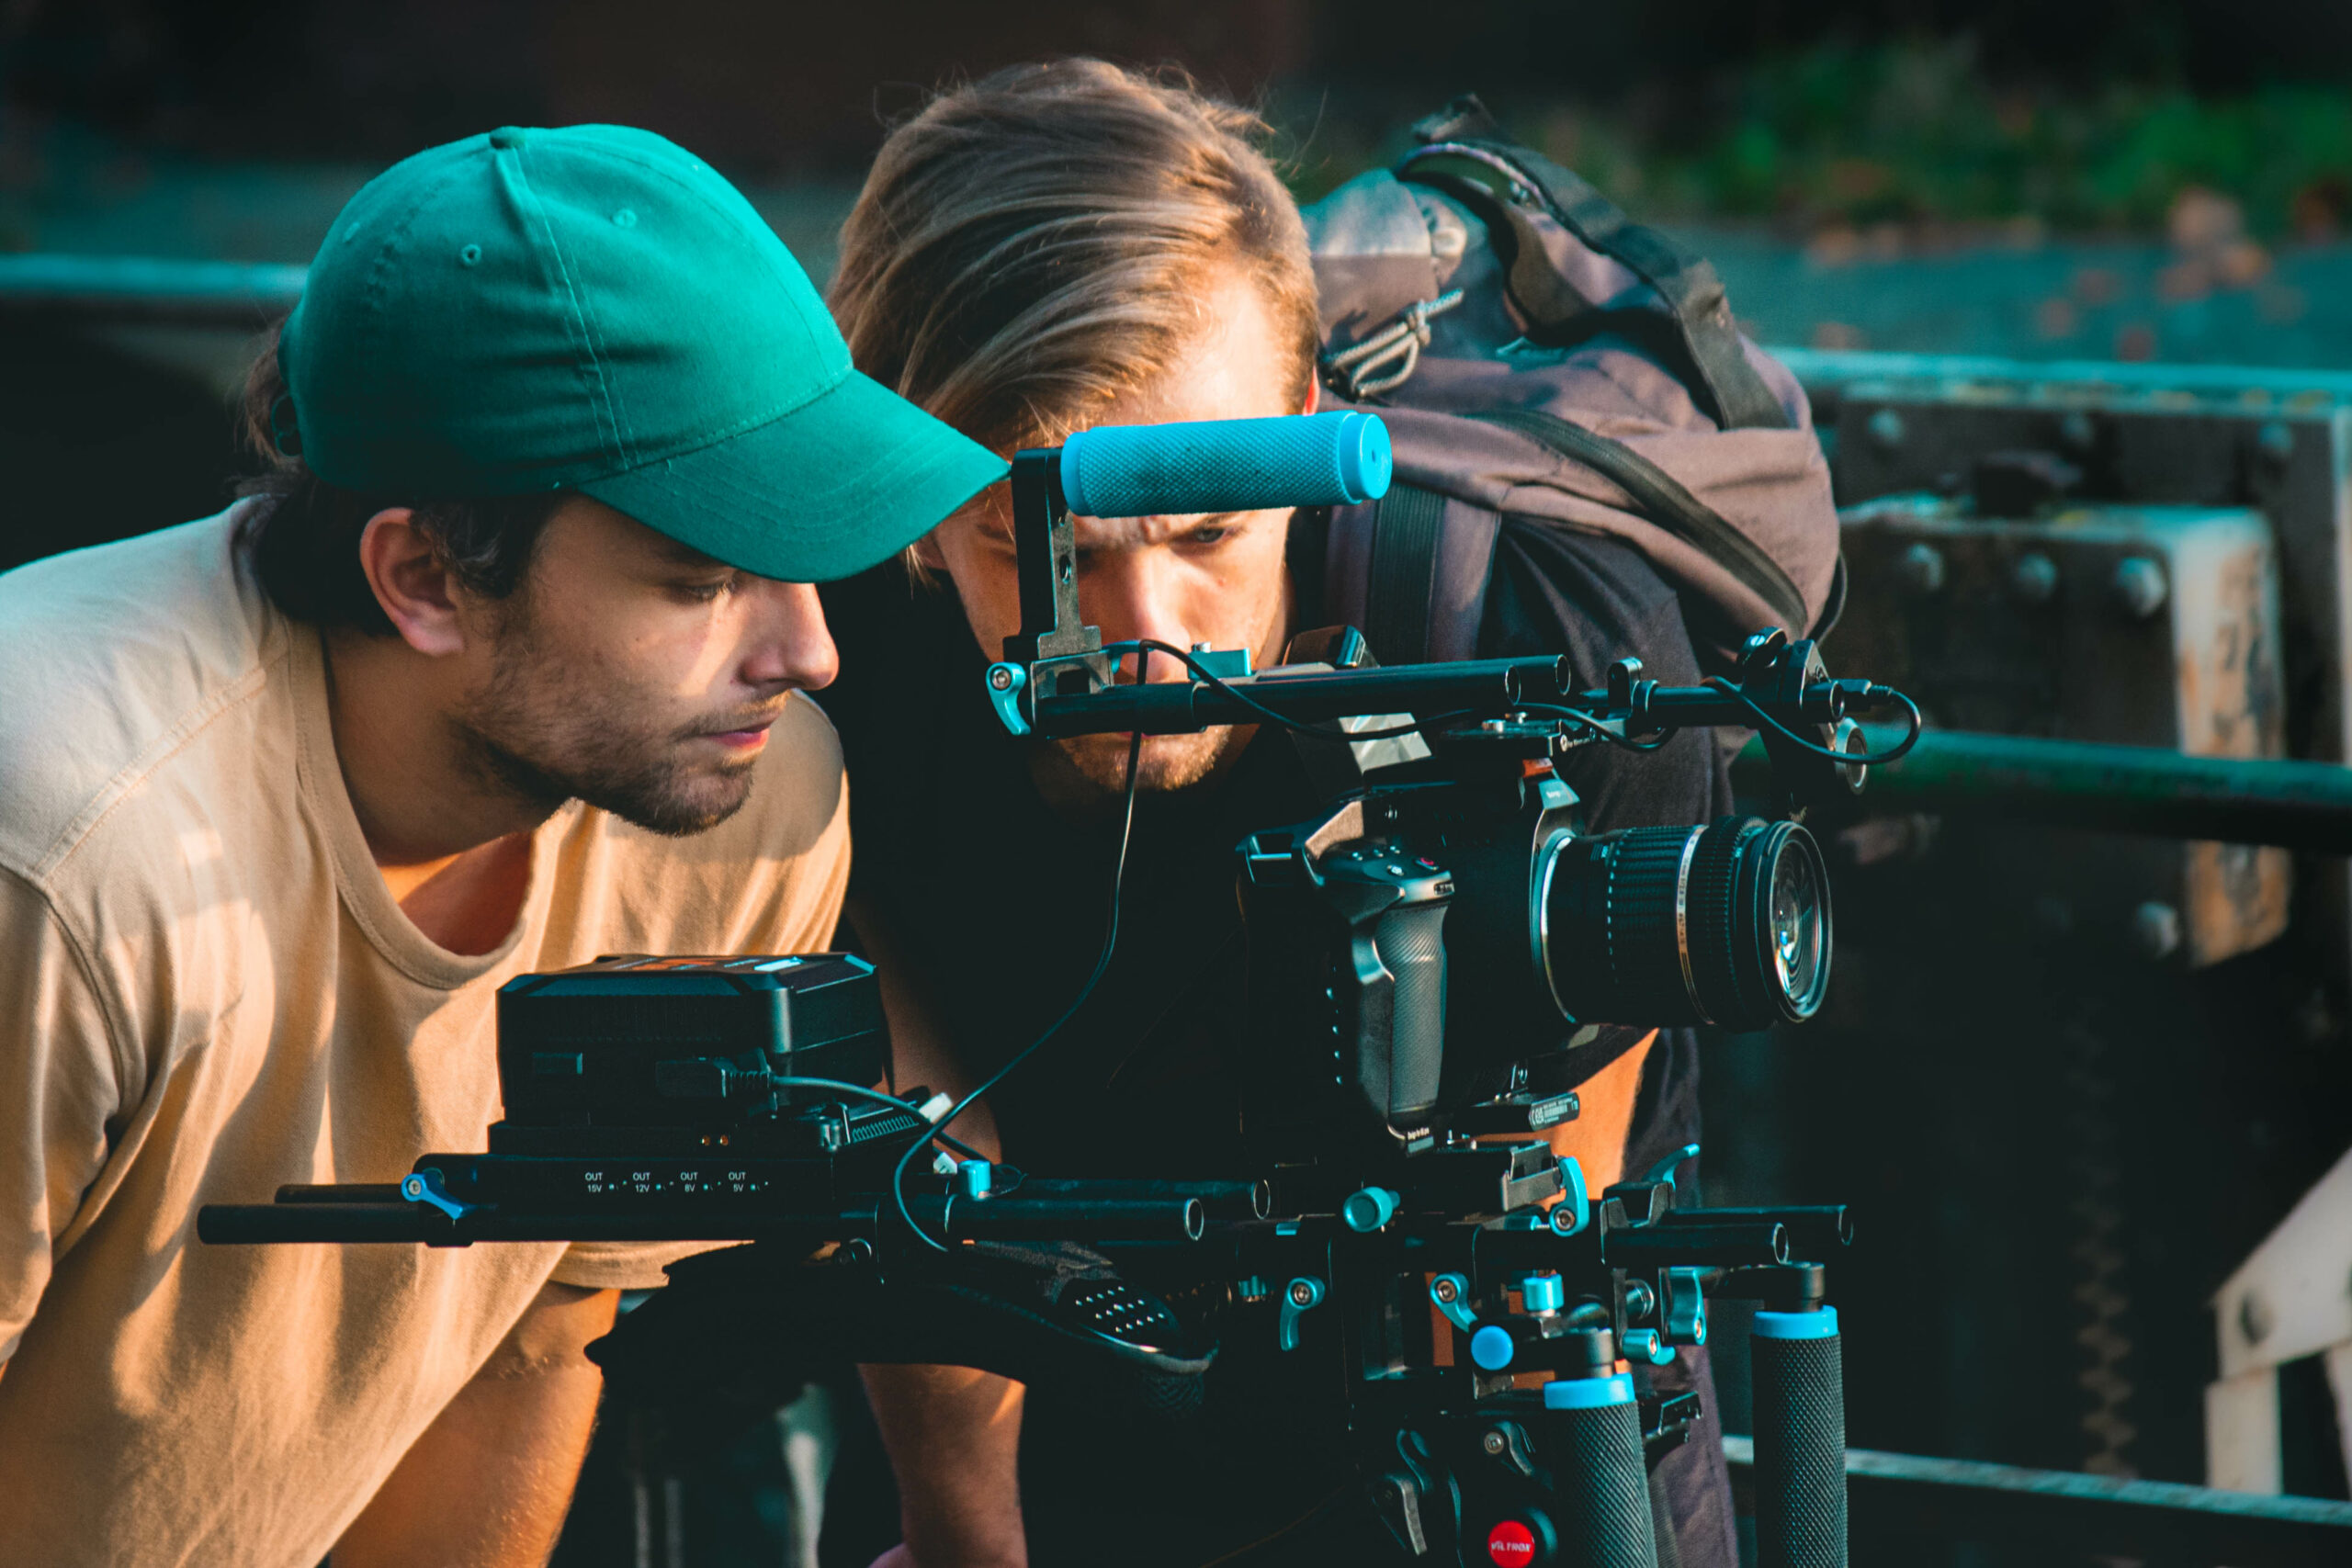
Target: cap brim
(833, 487)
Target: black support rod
(2120, 789)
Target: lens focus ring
(1642, 906)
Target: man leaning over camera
(1050, 249)
(495, 672)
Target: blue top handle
(1231, 465)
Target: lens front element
(1799, 932)
(1727, 925)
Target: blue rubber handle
(1231, 465)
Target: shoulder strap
(1405, 529)
(1466, 153)
(1416, 572)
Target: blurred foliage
(1917, 135)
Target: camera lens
(1726, 924)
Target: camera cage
(1436, 1262)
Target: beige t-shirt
(206, 991)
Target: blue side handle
(1006, 683)
(1576, 1202)
(1300, 1297)
(1664, 1170)
(424, 1187)
(1452, 1294)
(1229, 465)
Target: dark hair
(304, 533)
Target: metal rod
(1728, 1245)
(1021, 1218)
(1823, 370)
(1481, 686)
(1222, 1200)
(2119, 789)
(1816, 1230)
(1906, 1495)
(240, 295)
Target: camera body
(1427, 953)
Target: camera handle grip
(1601, 1503)
(1800, 1384)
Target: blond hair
(1035, 245)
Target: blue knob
(1543, 1292)
(1369, 1209)
(973, 1177)
(1492, 1348)
(1647, 1344)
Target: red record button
(1510, 1545)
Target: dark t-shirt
(996, 902)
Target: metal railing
(237, 295)
(1906, 1496)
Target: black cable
(1848, 759)
(1101, 966)
(842, 1086)
(1598, 730)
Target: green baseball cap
(592, 309)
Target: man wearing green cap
(494, 673)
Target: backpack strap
(1659, 497)
(1466, 153)
(1412, 569)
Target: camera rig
(1424, 954)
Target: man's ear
(410, 582)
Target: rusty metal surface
(2143, 626)
(2279, 441)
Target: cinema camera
(1424, 955)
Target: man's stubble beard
(548, 732)
(1170, 763)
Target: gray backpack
(1537, 355)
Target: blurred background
(2062, 1137)
(2104, 180)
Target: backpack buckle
(1363, 371)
